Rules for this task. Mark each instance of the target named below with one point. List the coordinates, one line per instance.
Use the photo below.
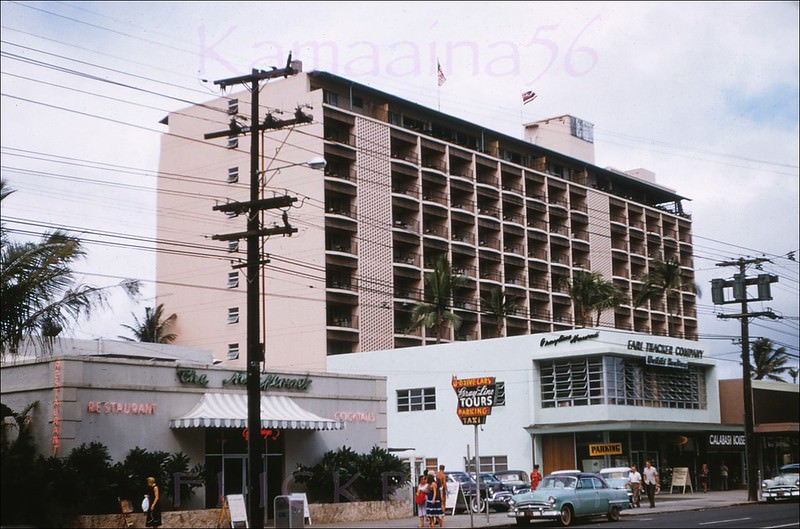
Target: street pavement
(664, 503)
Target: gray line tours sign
(476, 396)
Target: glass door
(234, 475)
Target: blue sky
(705, 94)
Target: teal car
(565, 496)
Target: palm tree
(38, 292)
(154, 328)
(609, 296)
(792, 373)
(664, 280)
(498, 307)
(769, 362)
(590, 292)
(434, 312)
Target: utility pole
(255, 351)
(739, 284)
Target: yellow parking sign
(605, 449)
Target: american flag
(442, 78)
(527, 97)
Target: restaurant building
(176, 399)
(585, 399)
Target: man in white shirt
(650, 482)
(635, 483)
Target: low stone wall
(321, 513)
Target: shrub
(47, 492)
(346, 474)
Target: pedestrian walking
(651, 482)
(422, 499)
(635, 483)
(723, 476)
(441, 482)
(536, 477)
(433, 508)
(154, 505)
(704, 477)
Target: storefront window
(632, 383)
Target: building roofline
(669, 195)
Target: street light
(318, 162)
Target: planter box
(321, 513)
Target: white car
(785, 485)
(617, 477)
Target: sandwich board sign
(237, 510)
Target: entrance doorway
(234, 475)
(227, 466)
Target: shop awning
(229, 410)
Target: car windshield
(512, 477)
(463, 478)
(489, 478)
(558, 482)
(615, 475)
(617, 483)
(790, 469)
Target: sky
(704, 94)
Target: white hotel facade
(563, 398)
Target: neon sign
(121, 408)
(265, 433)
(57, 366)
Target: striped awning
(229, 410)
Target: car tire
(770, 500)
(566, 516)
(477, 504)
(523, 522)
(613, 514)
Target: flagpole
(440, 79)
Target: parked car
(617, 477)
(499, 496)
(514, 480)
(467, 486)
(785, 485)
(566, 496)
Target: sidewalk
(664, 503)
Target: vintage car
(785, 485)
(498, 494)
(617, 477)
(514, 480)
(565, 496)
(467, 486)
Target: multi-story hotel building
(404, 185)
